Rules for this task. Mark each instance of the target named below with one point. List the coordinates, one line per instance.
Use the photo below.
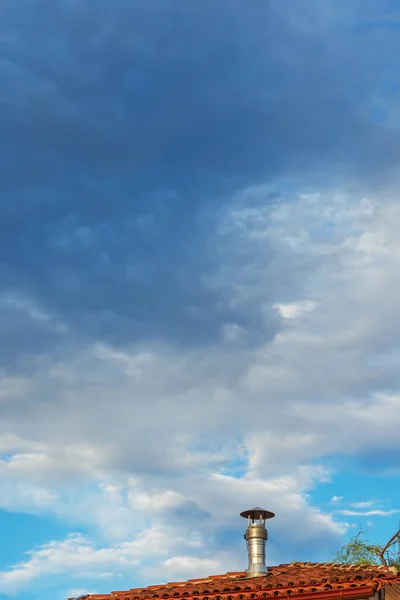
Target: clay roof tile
(282, 580)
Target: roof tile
(283, 580)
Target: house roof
(316, 580)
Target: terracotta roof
(319, 580)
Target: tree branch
(393, 540)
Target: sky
(199, 285)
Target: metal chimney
(256, 536)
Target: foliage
(360, 551)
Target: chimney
(256, 535)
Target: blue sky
(199, 302)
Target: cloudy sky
(200, 292)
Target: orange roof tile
(319, 580)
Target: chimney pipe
(256, 536)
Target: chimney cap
(257, 513)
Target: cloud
(199, 302)
(74, 555)
(79, 557)
(340, 336)
(294, 311)
(178, 544)
(335, 351)
(365, 504)
(369, 513)
(335, 499)
(182, 567)
(130, 139)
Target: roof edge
(360, 592)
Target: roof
(317, 580)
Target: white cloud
(150, 434)
(368, 513)
(184, 567)
(79, 557)
(295, 310)
(364, 504)
(74, 555)
(335, 499)
(155, 501)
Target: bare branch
(393, 540)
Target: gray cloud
(172, 312)
(124, 127)
(153, 434)
(273, 399)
